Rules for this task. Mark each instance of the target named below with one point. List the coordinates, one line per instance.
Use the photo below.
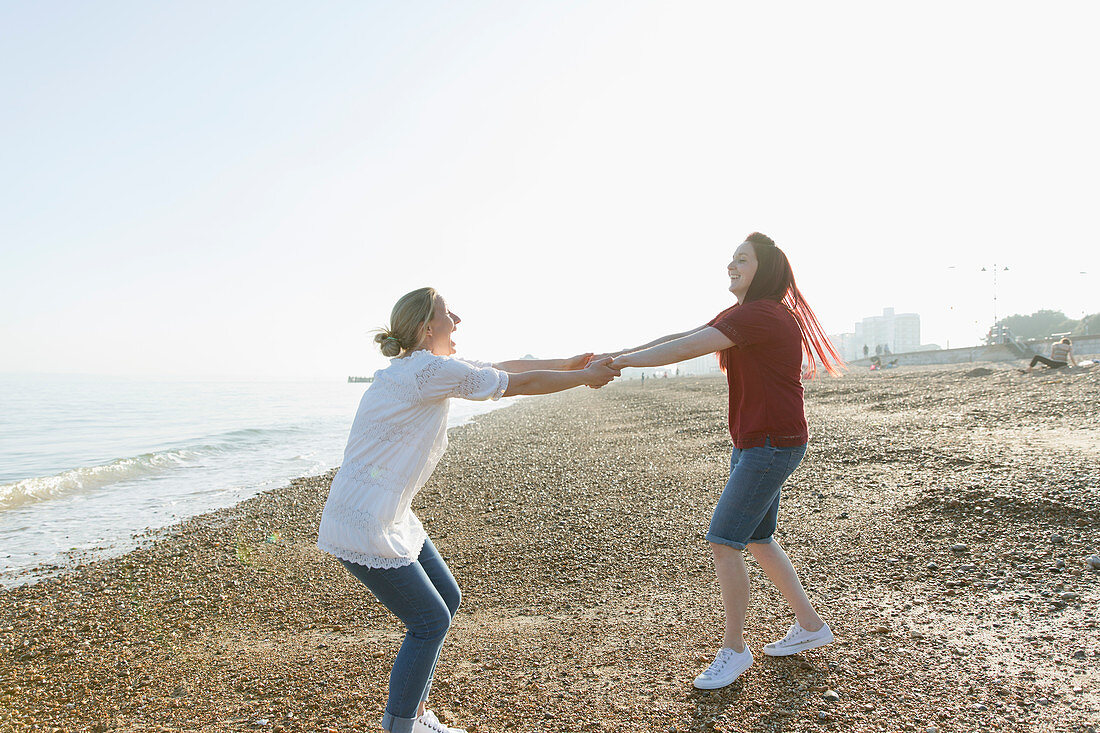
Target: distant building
(699, 366)
(845, 345)
(890, 333)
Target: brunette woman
(761, 342)
(1061, 354)
(398, 436)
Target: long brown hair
(774, 280)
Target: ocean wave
(184, 455)
(233, 439)
(89, 478)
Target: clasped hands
(602, 367)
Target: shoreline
(33, 556)
(574, 524)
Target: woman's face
(741, 269)
(440, 328)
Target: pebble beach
(946, 522)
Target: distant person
(761, 341)
(1061, 353)
(398, 436)
(866, 351)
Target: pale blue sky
(245, 188)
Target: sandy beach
(942, 522)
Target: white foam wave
(89, 478)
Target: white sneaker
(428, 723)
(725, 668)
(799, 640)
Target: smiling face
(741, 270)
(437, 335)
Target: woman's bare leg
(733, 579)
(781, 572)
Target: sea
(88, 465)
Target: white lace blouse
(398, 436)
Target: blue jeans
(749, 506)
(425, 596)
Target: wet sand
(940, 521)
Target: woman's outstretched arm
(705, 340)
(654, 342)
(596, 374)
(516, 366)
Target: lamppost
(994, 268)
(1085, 326)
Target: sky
(210, 189)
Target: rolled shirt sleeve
(748, 324)
(465, 379)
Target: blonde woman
(397, 438)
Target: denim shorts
(749, 505)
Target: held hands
(599, 372)
(620, 361)
(611, 354)
(580, 361)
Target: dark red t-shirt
(764, 372)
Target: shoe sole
(796, 648)
(711, 685)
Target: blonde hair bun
(408, 321)
(389, 344)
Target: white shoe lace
(429, 721)
(792, 633)
(723, 658)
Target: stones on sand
(959, 547)
(297, 599)
(1093, 562)
(831, 696)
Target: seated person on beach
(1061, 353)
(398, 436)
